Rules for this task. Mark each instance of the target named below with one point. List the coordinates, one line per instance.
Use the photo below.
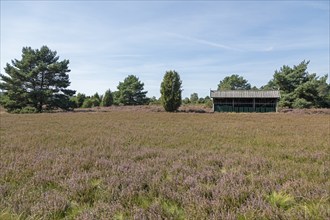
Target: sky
(204, 41)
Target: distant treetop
(234, 82)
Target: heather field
(156, 165)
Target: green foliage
(299, 89)
(154, 101)
(207, 98)
(254, 88)
(234, 82)
(88, 103)
(27, 109)
(208, 103)
(171, 91)
(107, 99)
(194, 98)
(121, 216)
(143, 201)
(315, 210)
(38, 80)
(186, 101)
(269, 86)
(96, 96)
(172, 208)
(96, 100)
(301, 103)
(80, 98)
(130, 92)
(281, 200)
(116, 95)
(201, 100)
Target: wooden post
(254, 104)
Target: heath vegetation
(157, 165)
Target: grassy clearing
(153, 165)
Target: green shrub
(301, 103)
(88, 103)
(25, 110)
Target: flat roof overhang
(245, 94)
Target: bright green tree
(234, 82)
(107, 98)
(130, 92)
(170, 90)
(38, 81)
(300, 89)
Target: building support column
(276, 106)
(254, 104)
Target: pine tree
(38, 81)
(131, 92)
(300, 89)
(234, 82)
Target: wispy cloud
(201, 41)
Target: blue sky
(204, 41)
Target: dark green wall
(245, 105)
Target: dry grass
(153, 165)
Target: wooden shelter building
(245, 100)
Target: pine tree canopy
(234, 82)
(37, 82)
(130, 92)
(300, 89)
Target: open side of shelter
(245, 100)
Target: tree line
(39, 82)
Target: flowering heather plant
(157, 165)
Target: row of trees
(130, 92)
(39, 82)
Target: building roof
(245, 94)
